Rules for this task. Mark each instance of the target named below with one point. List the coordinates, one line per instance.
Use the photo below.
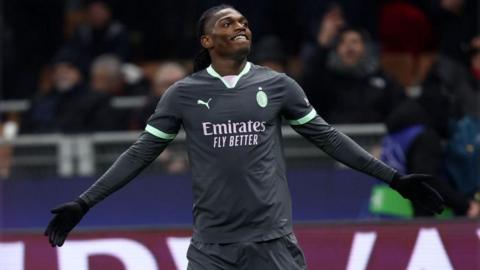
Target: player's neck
(226, 67)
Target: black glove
(416, 188)
(68, 215)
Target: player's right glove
(67, 216)
(416, 188)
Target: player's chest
(250, 103)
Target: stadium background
(343, 218)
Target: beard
(241, 54)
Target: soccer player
(231, 111)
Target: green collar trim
(245, 70)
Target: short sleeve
(165, 122)
(296, 107)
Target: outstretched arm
(124, 169)
(342, 148)
(161, 128)
(304, 119)
(415, 187)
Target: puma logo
(201, 102)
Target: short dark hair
(202, 59)
(364, 35)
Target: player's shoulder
(192, 81)
(268, 73)
(174, 90)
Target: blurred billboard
(414, 245)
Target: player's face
(228, 34)
(351, 48)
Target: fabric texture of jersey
(235, 150)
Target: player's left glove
(67, 216)
(417, 188)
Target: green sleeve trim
(158, 133)
(307, 118)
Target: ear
(206, 41)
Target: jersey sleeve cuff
(307, 118)
(158, 133)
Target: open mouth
(239, 37)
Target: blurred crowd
(413, 65)
(352, 72)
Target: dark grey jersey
(235, 149)
(234, 143)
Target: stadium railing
(91, 154)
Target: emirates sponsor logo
(234, 134)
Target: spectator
(459, 85)
(333, 21)
(451, 102)
(99, 35)
(404, 28)
(68, 108)
(463, 147)
(106, 75)
(51, 110)
(412, 145)
(109, 75)
(346, 85)
(328, 28)
(167, 74)
(447, 92)
(93, 109)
